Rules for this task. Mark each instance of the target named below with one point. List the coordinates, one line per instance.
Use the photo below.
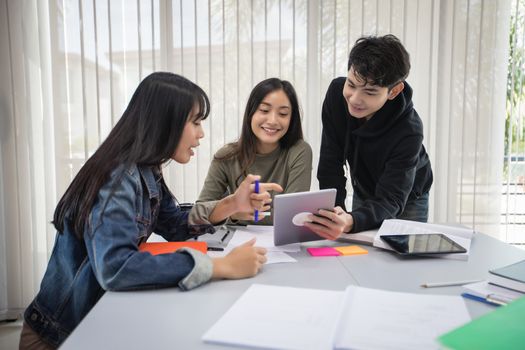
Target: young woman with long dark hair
(118, 198)
(271, 144)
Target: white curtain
(68, 68)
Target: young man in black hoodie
(369, 121)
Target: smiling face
(364, 99)
(191, 135)
(271, 120)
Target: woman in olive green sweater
(271, 145)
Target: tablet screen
(428, 243)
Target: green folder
(503, 328)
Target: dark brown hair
(245, 148)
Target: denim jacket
(134, 203)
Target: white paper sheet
(264, 238)
(459, 235)
(271, 257)
(275, 317)
(278, 257)
(380, 319)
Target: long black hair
(147, 134)
(245, 148)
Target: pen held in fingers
(270, 186)
(256, 213)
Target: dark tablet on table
(423, 244)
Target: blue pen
(477, 298)
(256, 213)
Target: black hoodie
(388, 163)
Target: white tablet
(290, 211)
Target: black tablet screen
(428, 243)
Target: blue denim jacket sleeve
(116, 227)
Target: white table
(171, 319)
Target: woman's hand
(247, 201)
(249, 216)
(330, 224)
(243, 261)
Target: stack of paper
(485, 292)
(503, 286)
(396, 226)
(275, 317)
(511, 276)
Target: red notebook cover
(156, 248)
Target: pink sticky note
(323, 251)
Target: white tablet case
(286, 206)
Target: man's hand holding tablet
(330, 224)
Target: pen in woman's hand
(225, 235)
(256, 212)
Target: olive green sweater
(290, 168)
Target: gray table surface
(171, 319)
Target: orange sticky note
(351, 250)
(155, 248)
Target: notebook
(510, 276)
(278, 317)
(155, 248)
